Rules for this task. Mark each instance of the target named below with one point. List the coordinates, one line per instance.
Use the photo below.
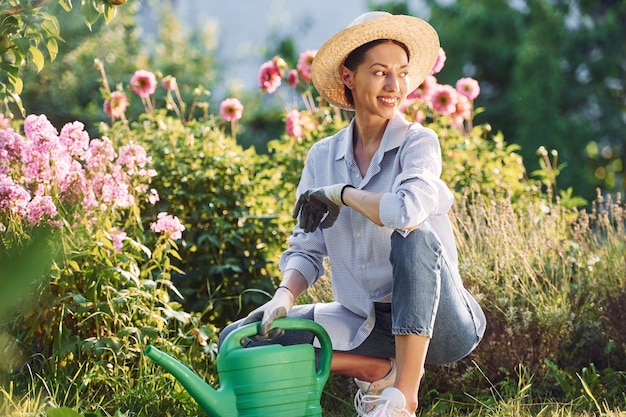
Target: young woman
(371, 200)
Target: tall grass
(552, 282)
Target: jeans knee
(416, 246)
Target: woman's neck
(366, 141)
(369, 132)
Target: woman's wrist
(341, 194)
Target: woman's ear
(346, 76)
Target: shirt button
(368, 325)
(359, 235)
(358, 175)
(364, 267)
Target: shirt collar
(393, 137)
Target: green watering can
(261, 381)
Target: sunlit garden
(159, 218)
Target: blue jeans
(428, 299)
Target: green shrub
(106, 292)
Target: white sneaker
(390, 403)
(372, 389)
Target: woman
(371, 200)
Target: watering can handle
(233, 340)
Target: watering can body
(260, 381)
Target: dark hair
(356, 57)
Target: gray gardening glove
(315, 203)
(276, 308)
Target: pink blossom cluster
(445, 100)
(293, 124)
(45, 169)
(272, 72)
(168, 226)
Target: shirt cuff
(304, 266)
(389, 213)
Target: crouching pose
(371, 200)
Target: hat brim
(420, 38)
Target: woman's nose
(392, 83)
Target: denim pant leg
(429, 299)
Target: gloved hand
(277, 307)
(315, 203)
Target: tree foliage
(552, 73)
(29, 34)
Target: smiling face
(380, 82)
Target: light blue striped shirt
(407, 168)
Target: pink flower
(153, 197)
(444, 100)
(168, 225)
(169, 83)
(269, 77)
(419, 116)
(39, 208)
(115, 107)
(425, 90)
(100, 154)
(75, 139)
(5, 123)
(133, 157)
(293, 124)
(143, 83)
(39, 130)
(280, 65)
(11, 148)
(231, 109)
(292, 78)
(304, 64)
(117, 237)
(468, 87)
(13, 197)
(439, 62)
(463, 111)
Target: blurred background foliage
(552, 73)
(550, 276)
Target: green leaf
(18, 101)
(53, 48)
(90, 12)
(17, 84)
(51, 25)
(66, 4)
(23, 45)
(62, 412)
(37, 57)
(109, 12)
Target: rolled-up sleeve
(418, 191)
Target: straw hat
(418, 36)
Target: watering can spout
(216, 403)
